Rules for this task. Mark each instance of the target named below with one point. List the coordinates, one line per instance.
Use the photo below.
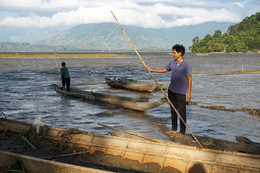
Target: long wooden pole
(157, 82)
(58, 72)
(57, 65)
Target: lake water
(26, 92)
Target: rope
(157, 82)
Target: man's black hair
(63, 64)
(179, 48)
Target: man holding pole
(181, 83)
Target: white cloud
(142, 13)
(239, 4)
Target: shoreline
(207, 53)
(61, 55)
(95, 54)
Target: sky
(34, 20)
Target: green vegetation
(108, 37)
(242, 37)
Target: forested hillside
(109, 37)
(242, 37)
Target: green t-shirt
(64, 72)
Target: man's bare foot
(180, 135)
(171, 131)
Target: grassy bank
(63, 55)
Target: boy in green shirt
(65, 76)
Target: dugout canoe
(130, 84)
(34, 164)
(147, 156)
(137, 104)
(212, 143)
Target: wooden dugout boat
(130, 84)
(167, 156)
(245, 145)
(119, 101)
(212, 143)
(33, 164)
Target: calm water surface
(26, 92)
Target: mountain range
(109, 37)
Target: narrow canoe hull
(33, 164)
(170, 156)
(207, 142)
(119, 101)
(124, 83)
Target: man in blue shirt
(181, 83)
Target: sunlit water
(26, 92)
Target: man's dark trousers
(179, 102)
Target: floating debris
(251, 111)
(222, 108)
(257, 71)
(192, 103)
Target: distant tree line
(242, 37)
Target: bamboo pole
(157, 82)
(65, 155)
(58, 72)
(57, 66)
(28, 142)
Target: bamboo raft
(119, 101)
(145, 155)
